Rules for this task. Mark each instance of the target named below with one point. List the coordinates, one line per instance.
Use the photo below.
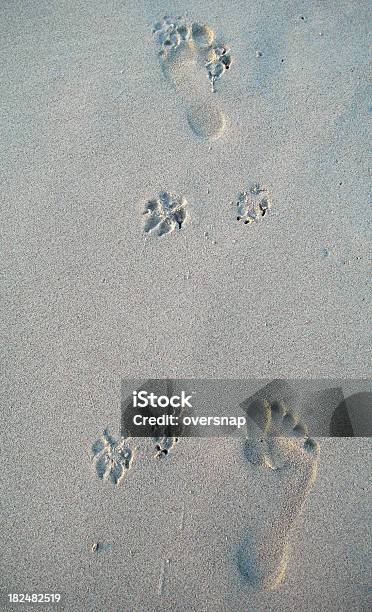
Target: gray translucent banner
(208, 408)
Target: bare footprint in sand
(193, 62)
(285, 459)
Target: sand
(261, 191)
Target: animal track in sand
(190, 58)
(164, 446)
(165, 213)
(111, 458)
(252, 204)
(278, 444)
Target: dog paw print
(165, 213)
(164, 445)
(219, 60)
(252, 204)
(111, 458)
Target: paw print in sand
(252, 204)
(112, 458)
(165, 213)
(164, 446)
(219, 60)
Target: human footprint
(190, 59)
(278, 446)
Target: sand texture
(185, 193)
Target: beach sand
(105, 144)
